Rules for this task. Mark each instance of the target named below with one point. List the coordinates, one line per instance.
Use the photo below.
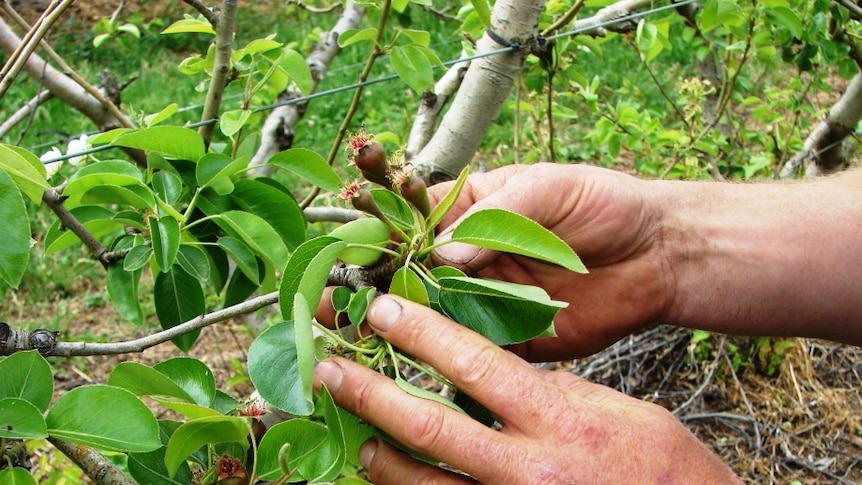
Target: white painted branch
(824, 142)
(277, 132)
(611, 12)
(484, 90)
(432, 105)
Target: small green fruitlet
(370, 231)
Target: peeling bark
(278, 128)
(96, 465)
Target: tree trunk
(824, 143)
(277, 132)
(484, 90)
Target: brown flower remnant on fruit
(349, 191)
(253, 411)
(228, 467)
(357, 141)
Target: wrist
(764, 259)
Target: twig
(19, 58)
(69, 349)
(67, 69)
(748, 406)
(207, 12)
(703, 385)
(855, 10)
(96, 465)
(278, 129)
(738, 417)
(221, 67)
(376, 52)
(331, 214)
(53, 199)
(24, 112)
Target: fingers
(420, 424)
(387, 465)
(508, 386)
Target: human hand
(557, 427)
(607, 217)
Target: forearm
(766, 259)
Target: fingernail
(328, 374)
(384, 313)
(456, 252)
(366, 452)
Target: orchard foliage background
(191, 191)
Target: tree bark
(485, 88)
(431, 106)
(59, 84)
(278, 128)
(824, 143)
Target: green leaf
(138, 196)
(340, 298)
(297, 69)
(165, 234)
(21, 420)
(445, 205)
(505, 313)
(143, 380)
(14, 232)
(483, 10)
(168, 186)
(98, 220)
(425, 394)
(103, 173)
(137, 258)
(256, 233)
(78, 417)
(359, 303)
(232, 121)
(244, 258)
(170, 141)
(352, 36)
(25, 170)
(195, 261)
(216, 169)
(150, 468)
(274, 206)
(193, 376)
(239, 286)
(786, 18)
(304, 438)
(407, 284)
(27, 376)
(167, 112)
(179, 298)
(122, 288)
(16, 476)
(187, 409)
(198, 25)
(310, 166)
(502, 230)
(202, 431)
(275, 369)
(330, 460)
(394, 207)
(307, 271)
(413, 67)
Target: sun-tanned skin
(756, 259)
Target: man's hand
(557, 428)
(611, 221)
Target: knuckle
(427, 429)
(476, 366)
